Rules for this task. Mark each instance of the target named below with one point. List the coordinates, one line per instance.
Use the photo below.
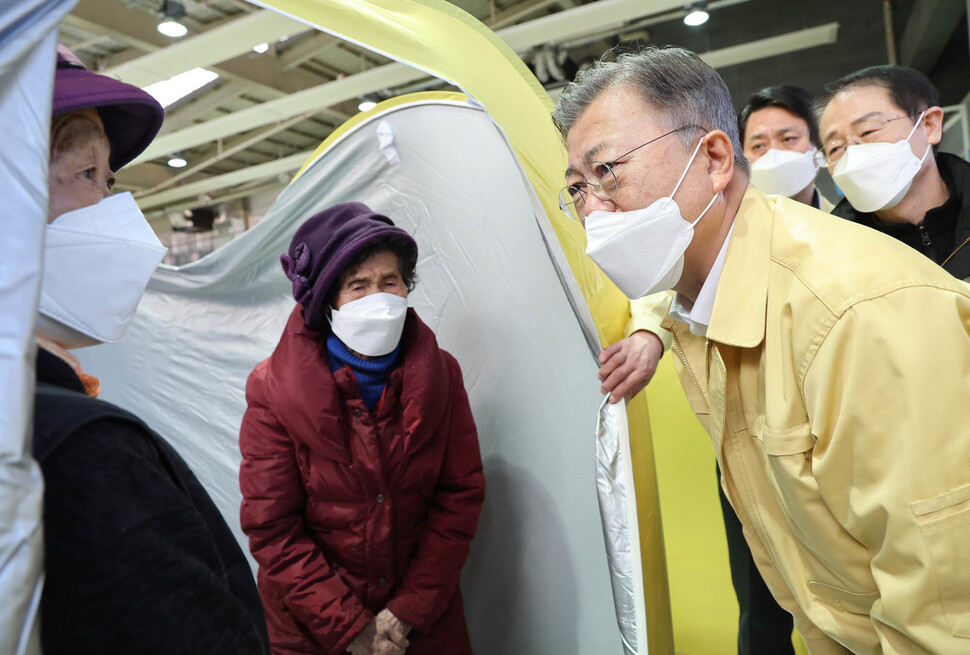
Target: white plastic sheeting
(28, 38)
(537, 580)
(618, 511)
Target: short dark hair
(407, 261)
(908, 88)
(793, 99)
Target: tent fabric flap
(486, 287)
(28, 38)
(444, 41)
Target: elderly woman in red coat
(361, 475)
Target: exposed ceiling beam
(307, 48)
(94, 27)
(189, 113)
(772, 46)
(228, 151)
(209, 48)
(566, 24)
(136, 29)
(581, 20)
(282, 108)
(249, 189)
(518, 11)
(929, 28)
(269, 169)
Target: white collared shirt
(697, 314)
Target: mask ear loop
(814, 152)
(913, 131)
(689, 162)
(684, 174)
(916, 125)
(709, 205)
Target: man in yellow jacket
(827, 361)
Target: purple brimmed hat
(131, 117)
(323, 247)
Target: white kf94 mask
(371, 325)
(784, 172)
(876, 176)
(97, 262)
(642, 251)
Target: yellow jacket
(647, 313)
(835, 384)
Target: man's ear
(933, 119)
(720, 155)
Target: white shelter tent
(537, 580)
(28, 38)
(498, 290)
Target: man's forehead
(857, 102)
(773, 120)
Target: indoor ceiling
(251, 127)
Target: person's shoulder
(843, 263)
(957, 168)
(844, 209)
(421, 345)
(62, 415)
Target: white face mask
(371, 325)
(876, 176)
(97, 263)
(642, 251)
(784, 172)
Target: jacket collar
(741, 302)
(51, 369)
(956, 174)
(312, 400)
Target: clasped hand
(384, 635)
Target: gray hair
(675, 81)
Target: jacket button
(380, 498)
(382, 582)
(356, 412)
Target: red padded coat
(349, 511)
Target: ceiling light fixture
(261, 48)
(171, 13)
(366, 105)
(697, 15)
(172, 90)
(177, 161)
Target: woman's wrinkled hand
(392, 627)
(371, 642)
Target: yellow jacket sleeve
(886, 398)
(646, 314)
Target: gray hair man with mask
(880, 130)
(793, 336)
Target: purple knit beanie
(323, 247)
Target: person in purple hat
(137, 557)
(361, 476)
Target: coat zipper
(965, 242)
(690, 373)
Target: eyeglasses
(605, 186)
(868, 131)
